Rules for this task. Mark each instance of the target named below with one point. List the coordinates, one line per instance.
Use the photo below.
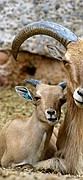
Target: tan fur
(70, 138)
(69, 158)
(26, 141)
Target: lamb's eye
(37, 98)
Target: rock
(3, 57)
(14, 15)
(46, 7)
(57, 6)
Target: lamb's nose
(51, 112)
(80, 92)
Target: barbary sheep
(26, 141)
(70, 137)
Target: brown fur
(69, 158)
(70, 138)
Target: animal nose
(80, 92)
(51, 112)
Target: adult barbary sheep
(70, 138)
(26, 141)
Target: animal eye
(65, 62)
(37, 98)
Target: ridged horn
(33, 82)
(60, 33)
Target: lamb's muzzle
(51, 116)
(60, 33)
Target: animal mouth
(78, 103)
(78, 97)
(53, 119)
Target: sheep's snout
(78, 97)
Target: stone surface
(14, 15)
(4, 56)
(29, 65)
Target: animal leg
(42, 145)
(13, 165)
(54, 164)
(6, 159)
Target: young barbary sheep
(70, 138)
(26, 141)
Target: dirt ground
(12, 106)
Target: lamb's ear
(24, 93)
(55, 52)
(63, 86)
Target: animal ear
(62, 84)
(55, 52)
(24, 93)
(33, 82)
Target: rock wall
(30, 65)
(14, 15)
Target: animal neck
(42, 132)
(41, 124)
(74, 137)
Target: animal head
(48, 99)
(72, 58)
(73, 62)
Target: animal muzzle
(51, 116)
(78, 97)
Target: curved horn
(34, 82)
(60, 33)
